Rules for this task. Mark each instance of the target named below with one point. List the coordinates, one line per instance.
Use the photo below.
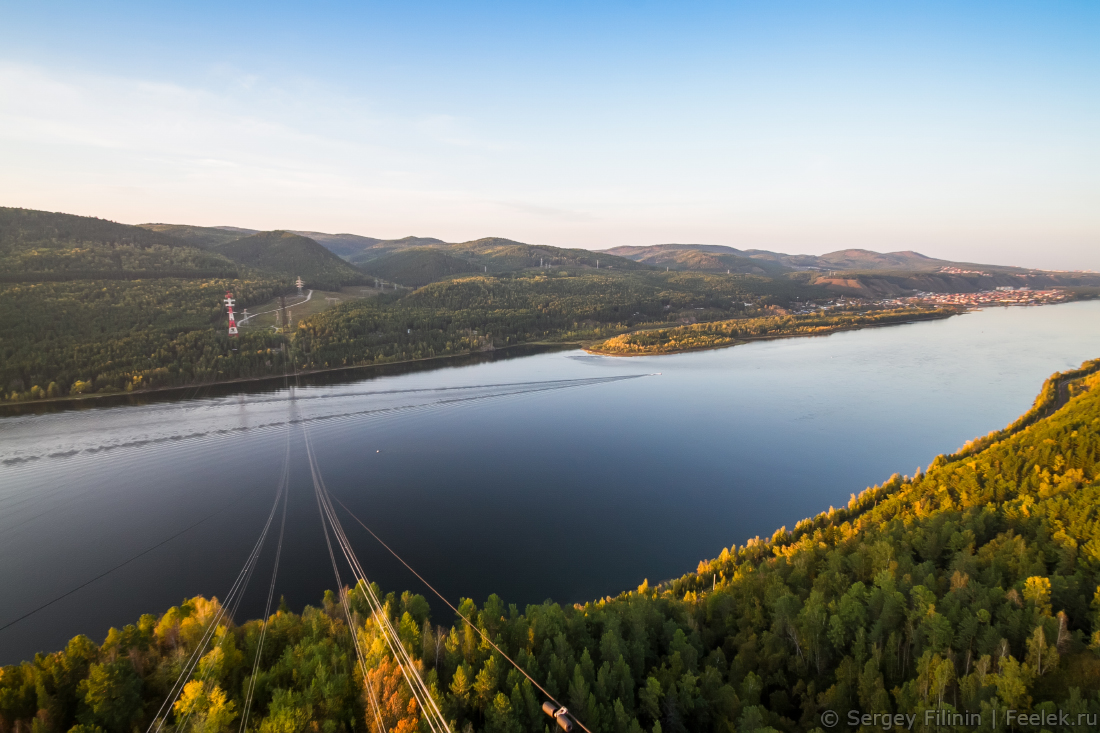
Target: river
(560, 475)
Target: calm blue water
(561, 475)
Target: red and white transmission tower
(232, 319)
(300, 285)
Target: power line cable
(270, 594)
(457, 613)
(327, 518)
(113, 569)
(274, 574)
(371, 696)
(232, 598)
(433, 715)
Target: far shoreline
(274, 382)
(741, 342)
(750, 339)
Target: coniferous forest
(88, 306)
(972, 587)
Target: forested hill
(360, 250)
(482, 312)
(502, 255)
(37, 246)
(27, 226)
(291, 255)
(683, 256)
(418, 266)
(203, 237)
(968, 588)
(286, 255)
(493, 255)
(88, 305)
(702, 258)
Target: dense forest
(92, 306)
(417, 266)
(492, 311)
(120, 334)
(726, 333)
(290, 256)
(70, 338)
(967, 588)
(496, 255)
(201, 237)
(40, 246)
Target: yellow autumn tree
(204, 708)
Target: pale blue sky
(967, 131)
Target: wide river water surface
(560, 475)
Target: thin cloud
(547, 212)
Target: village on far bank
(1001, 296)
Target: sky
(968, 131)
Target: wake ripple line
(536, 387)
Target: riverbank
(722, 334)
(488, 455)
(1033, 479)
(272, 383)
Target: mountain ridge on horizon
(360, 249)
(496, 254)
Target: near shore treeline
(971, 587)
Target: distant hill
(648, 250)
(700, 258)
(717, 258)
(489, 254)
(43, 245)
(707, 256)
(862, 259)
(418, 266)
(852, 271)
(342, 245)
(357, 249)
(502, 255)
(291, 255)
(203, 237)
